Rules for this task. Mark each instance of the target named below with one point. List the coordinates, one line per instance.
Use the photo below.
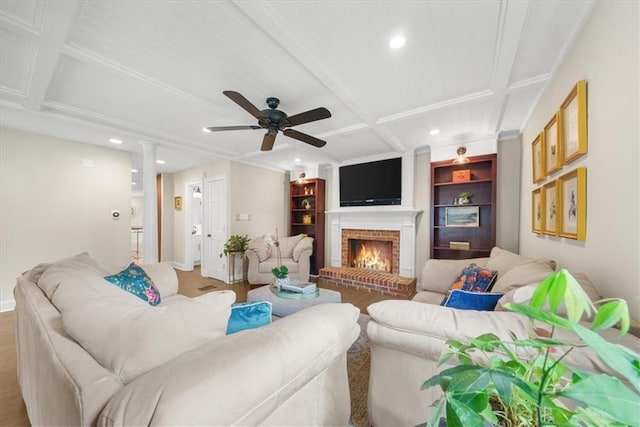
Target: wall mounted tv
(376, 183)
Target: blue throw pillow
(475, 279)
(466, 300)
(134, 280)
(248, 315)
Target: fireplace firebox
(370, 254)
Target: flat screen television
(376, 183)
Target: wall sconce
(461, 159)
(301, 178)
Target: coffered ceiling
(155, 71)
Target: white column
(150, 218)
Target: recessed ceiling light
(134, 170)
(434, 132)
(134, 183)
(397, 42)
(160, 162)
(297, 160)
(115, 141)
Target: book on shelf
(299, 286)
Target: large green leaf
(610, 313)
(537, 314)
(461, 415)
(606, 394)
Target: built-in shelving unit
(307, 206)
(445, 195)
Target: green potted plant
(236, 243)
(524, 382)
(280, 272)
(464, 197)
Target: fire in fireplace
(371, 254)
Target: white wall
(606, 55)
(54, 205)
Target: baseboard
(179, 266)
(7, 305)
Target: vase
(279, 282)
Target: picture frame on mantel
(538, 158)
(573, 123)
(572, 197)
(552, 147)
(550, 202)
(537, 210)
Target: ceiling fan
(274, 120)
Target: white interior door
(214, 228)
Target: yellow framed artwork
(536, 211)
(553, 158)
(550, 219)
(573, 123)
(177, 203)
(572, 197)
(537, 158)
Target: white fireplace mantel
(396, 218)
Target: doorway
(193, 222)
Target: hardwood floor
(191, 283)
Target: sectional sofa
(90, 353)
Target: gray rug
(358, 362)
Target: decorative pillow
(475, 279)
(248, 315)
(260, 247)
(465, 300)
(287, 244)
(134, 280)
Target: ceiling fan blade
(243, 102)
(221, 128)
(309, 116)
(292, 133)
(268, 140)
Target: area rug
(358, 360)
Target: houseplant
(525, 382)
(236, 243)
(464, 197)
(280, 272)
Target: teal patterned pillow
(134, 280)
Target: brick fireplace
(387, 233)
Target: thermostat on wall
(115, 214)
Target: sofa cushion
(532, 272)
(260, 247)
(266, 266)
(287, 244)
(439, 274)
(474, 278)
(248, 315)
(163, 276)
(428, 297)
(503, 261)
(129, 337)
(305, 244)
(82, 263)
(134, 280)
(468, 300)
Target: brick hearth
(370, 280)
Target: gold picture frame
(538, 158)
(551, 223)
(537, 210)
(177, 203)
(572, 196)
(551, 144)
(573, 123)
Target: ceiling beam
(57, 22)
(512, 25)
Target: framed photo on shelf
(551, 143)
(537, 209)
(551, 222)
(572, 198)
(537, 158)
(573, 123)
(463, 216)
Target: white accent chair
(295, 253)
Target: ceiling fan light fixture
(397, 42)
(461, 159)
(206, 130)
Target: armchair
(295, 253)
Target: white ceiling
(155, 71)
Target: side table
(232, 266)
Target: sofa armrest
(248, 375)
(439, 274)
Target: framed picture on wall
(177, 203)
(573, 123)
(537, 211)
(553, 159)
(537, 158)
(464, 216)
(550, 200)
(572, 197)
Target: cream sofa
(295, 254)
(408, 337)
(91, 354)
